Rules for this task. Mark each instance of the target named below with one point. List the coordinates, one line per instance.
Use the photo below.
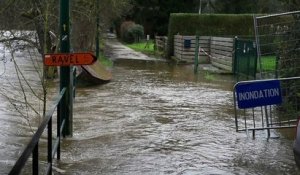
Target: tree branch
(29, 41)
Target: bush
(226, 25)
(124, 30)
(137, 31)
(131, 32)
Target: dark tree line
(42, 16)
(154, 14)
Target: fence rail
(33, 145)
(222, 52)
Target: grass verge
(105, 61)
(144, 47)
(268, 63)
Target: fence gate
(245, 59)
(278, 52)
(275, 113)
(278, 44)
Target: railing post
(97, 30)
(196, 61)
(236, 61)
(35, 160)
(50, 145)
(58, 130)
(32, 149)
(65, 71)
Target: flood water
(155, 118)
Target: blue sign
(261, 93)
(187, 43)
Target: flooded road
(21, 107)
(156, 118)
(152, 118)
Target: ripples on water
(152, 118)
(15, 131)
(155, 118)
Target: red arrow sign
(68, 59)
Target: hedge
(227, 25)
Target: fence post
(35, 160)
(65, 71)
(235, 68)
(58, 135)
(196, 61)
(97, 30)
(50, 145)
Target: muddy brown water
(155, 118)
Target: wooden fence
(222, 52)
(187, 53)
(215, 50)
(161, 43)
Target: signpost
(65, 71)
(259, 93)
(66, 61)
(69, 59)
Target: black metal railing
(33, 145)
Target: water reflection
(153, 118)
(157, 118)
(20, 90)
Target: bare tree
(84, 14)
(29, 28)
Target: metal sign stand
(65, 71)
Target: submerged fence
(278, 50)
(268, 117)
(278, 39)
(33, 145)
(53, 144)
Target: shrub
(131, 32)
(124, 30)
(137, 31)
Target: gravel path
(116, 50)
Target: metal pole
(49, 156)
(200, 6)
(236, 61)
(65, 71)
(58, 131)
(97, 31)
(257, 44)
(267, 122)
(35, 160)
(235, 110)
(196, 60)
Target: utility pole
(66, 105)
